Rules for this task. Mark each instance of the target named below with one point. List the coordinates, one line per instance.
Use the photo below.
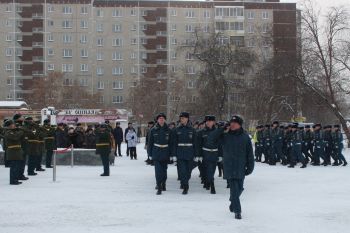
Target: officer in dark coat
(14, 137)
(103, 146)
(328, 141)
(32, 144)
(18, 119)
(159, 150)
(307, 143)
(118, 138)
(61, 136)
(50, 144)
(149, 127)
(208, 150)
(338, 146)
(296, 141)
(277, 144)
(268, 145)
(318, 138)
(184, 137)
(238, 161)
(259, 144)
(41, 145)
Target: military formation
(293, 143)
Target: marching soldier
(13, 137)
(104, 144)
(159, 151)
(318, 140)
(337, 138)
(184, 137)
(32, 144)
(296, 140)
(328, 144)
(277, 144)
(50, 144)
(267, 145)
(41, 146)
(259, 143)
(208, 150)
(149, 127)
(307, 143)
(238, 161)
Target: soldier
(159, 143)
(50, 144)
(258, 143)
(307, 143)
(41, 145)
(337, 139)
(184, 137)
(328, 144)
(104, 144)
(32, 144)
(296, 153)
(267, 145)
(208, 150)
(277, 145)
(149, 127)
(14, 137)
(238, 161)
(18, 119)
(318, 141)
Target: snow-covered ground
(275, 200)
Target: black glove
(132, 137)
(248, 171)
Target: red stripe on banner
(63, 151)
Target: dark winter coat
(61, 138)
(90, 141)
(14, 138)
(159, 144)
(238, 154)
(103, 142)
(209, 139)
(118, 135)
(184, 142)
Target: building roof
(13, 104)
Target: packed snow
(275, 200)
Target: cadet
(14, 137)
(337, 138)
(32, 144)
(328, 144)
(296, 140)
(41, 146)
(238, 161)
(104, 144)
(319, 145)
(267, 145)
(208, 150)
(259, 146)
(149, 127)
(50, 144)
(307, 143)
(184, 137)
(159, 143)
(277, 144)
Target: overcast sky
(325, 3)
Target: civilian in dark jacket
(90, 139)
(125, 133)
(118, 138)
(238, 161)
(61, 136)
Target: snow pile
(275, 200)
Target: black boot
(159, 192)
(185, 189)
(212, 188)
(238, 216)
(291, 166)
(345, 163)
(207, 186)
(164, 186)
(181, 186)
(23, 178)
(16, 183)
(304, 166)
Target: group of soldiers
(25, 139)
(294, 143)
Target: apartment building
(108, 46)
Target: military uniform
(328, 145)
(41, 147)
(208, 150)
(103, 147)
(159, 151)
(307, 146)
(268, 145)
(318, 145)
(296, 141)
(50, 143)
(184, 137)
(32, 148)
(14, 138)
(277, 145)
(337, 139)
(259, 144)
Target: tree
(60, 92)
(324, 65)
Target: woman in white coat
(131, 138)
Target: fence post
(72, 156)
(54, 166)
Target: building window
(19, 96)
(101, 99)
(117, 42)
(133, 27)
(190, 70)
(190, 14)
(50, 23)
(173, 55)
(173, 41)
(265, 15)
(100, 85)
(50, 52)
(133, 70)
(143, 55)
(99, 42)
(68, 82)
(8, 37)
(84, 10)
(117, 70)
(8, 8)
(251, 43)
(133, 12)
(118, 85)
(84, 53)
(117, 56)
(50, 67)
(133, 55)
(133, 41)
(99, 12)
(229, 12)
(99, 71)
(8, 52)
(189, 56)
(191, 84)
(117, 13)
(143, 12)
(173, 12)
(143, 69)
(83, 39)
(67, 53)
(174, 69)
(83, 24)
(67, 24)
(117, 99)
(250, 28)
(8, 23)
(50, 8)
(9, 96)
(8, 67)
(83, 82)
(250, 14)
(9, 82)
(99, 56)
(265, 28)
(84, 68)
(99, 27)
(189, 28)
(206, 14)
(67, 67)
(143, 40)
(117, 28)
(67, 10)
(67, 38)
(50, 38)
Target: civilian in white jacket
(131, 138)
